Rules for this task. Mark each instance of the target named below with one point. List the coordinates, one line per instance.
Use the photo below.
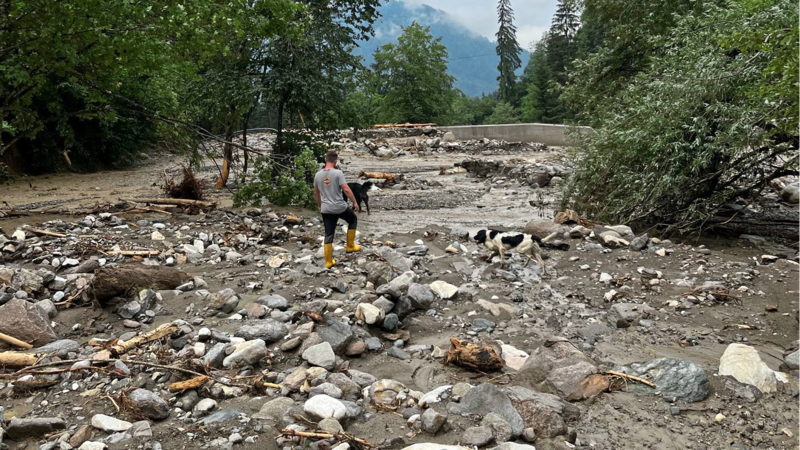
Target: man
(329, 184)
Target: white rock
(245, 354)
(205, 406)
(93, 445)
(18, 235)
(324, 406)
(743, 363)
(444, 289)
(108, 423)
(434, 396)
(513, 357)
(605, 278)
(369, 313)
(200, 245)
(432, 446)
(156, 236)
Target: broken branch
(171, 201)
(630, 377)
(14, 341)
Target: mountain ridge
(472, 58)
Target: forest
(693, 103)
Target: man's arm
(349, 194)
(318, 198)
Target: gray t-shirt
(329, 182)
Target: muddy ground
(569, 302)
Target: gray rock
(395, 352)
(397, 287)
(378, 272)
(432, 421)
(337, 334)
(390, 322)
(557, 367)
(274, 409)
(792, 360)
(420, 295)
(403, 307)
(363, 379)
(88, 266)
(330, 425)
(544, 413)
(675, 379)
(245, 354)
(129, 310)
(486, 398)
(150, 404)
(24, 428)
(329, 389)
(225, 301)
(267, 330)
(188, 400)
(221, 416)
(373, 344)
(59, 347)
(350, 389)
(395, 259)
(321, 355)
(48, 307)
(501, 430)
(623, 315)
(639, 242)
(215, 355)
(477, 436)
(543, 228)
(26, 322)
(21, 279)
(273, 301)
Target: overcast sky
(532, 17)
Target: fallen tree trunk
(150, 336)
(117, 281)
(18, 359)
(404, 125)
(171, 201)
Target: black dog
(360, 192)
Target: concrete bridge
(548, 134)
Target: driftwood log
(18, 359)
(117, 281)
(171, 201)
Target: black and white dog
(360, 192)
(500, 242)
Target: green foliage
(711, 118)
(541, 103)
(470, 110)
(508, 50)
(411, 78)
(282, 186)
(503, 113)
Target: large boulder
(267, 330)
(743, 363)
(337, 334)
(26, 322)
(557, 367)
(485, 399)
(21, 279)
(675, 379)
(543, 228)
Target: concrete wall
(547, 134)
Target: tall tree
(411, 77)
(541, 103)
(508, 49)
(561, 48)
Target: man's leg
(352, 222)
(329, 220)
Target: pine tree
(561, 45)
(540, 103)
(565, 21)
(508, 49)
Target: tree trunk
(244, 143)
(116, 281)
(279, 135)
(227, 151)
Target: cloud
(531, 17)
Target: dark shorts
(330, 221)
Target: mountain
(472, 57)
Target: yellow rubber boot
(329, 262)
(351, 242)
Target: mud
(571, 303)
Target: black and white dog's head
(480, 237)
(369, 186)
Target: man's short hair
(331, 157)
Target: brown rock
(356, 349)
(556, 367)
(82, 434)
(256, 310)
(26, 322)
(589, 387)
